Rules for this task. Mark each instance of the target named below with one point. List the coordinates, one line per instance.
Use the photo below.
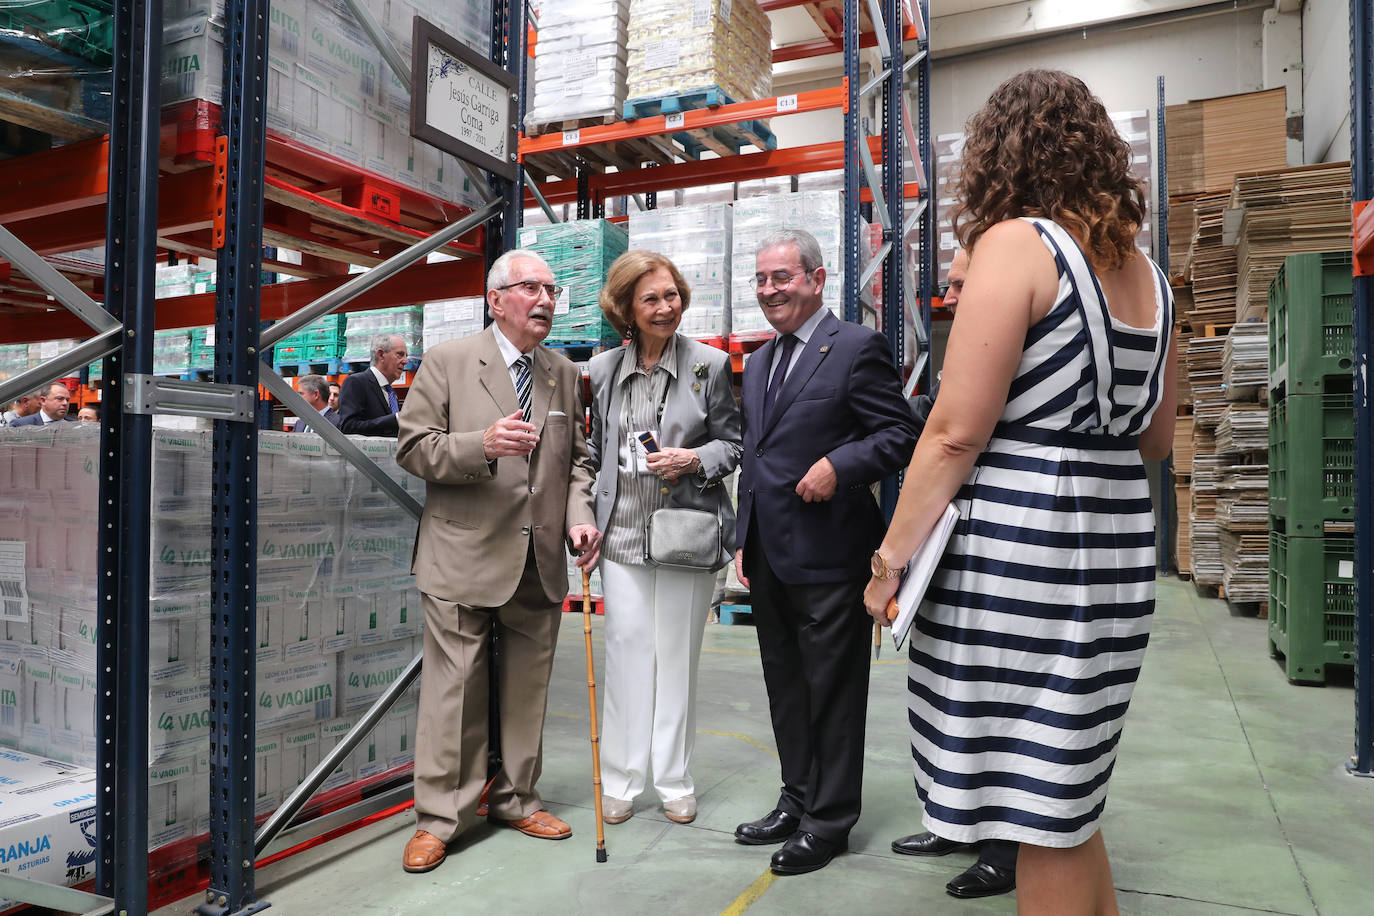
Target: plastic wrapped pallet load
(697, 240)
(581, 57)
(676, 48)
(405, 321)
(452, 319)
(579, 253)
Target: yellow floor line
(751, 894)
(745, 738)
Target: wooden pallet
(553, 127)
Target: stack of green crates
(1311, 466)
(579, 254)
(172, 352)
(319, 341)
(405, 321)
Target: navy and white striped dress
(1025, 654)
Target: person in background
(824, 419)
(493, 424)
(89, 414)
(680, 391)
(1061, 383)
(995, 870)
(27, 405)
(334, 399)
(315, 390)
(368, 404)
(53, 403)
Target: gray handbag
(688, 538)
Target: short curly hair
(617, 299)
(1043, 145)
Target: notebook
(919, 573)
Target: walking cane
(591, 702)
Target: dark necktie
(789, 341)
(522, 385)
(391, 398)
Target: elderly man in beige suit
(494, 424)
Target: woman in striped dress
(680, 390)
(1058, 382)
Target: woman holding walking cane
(665, 432)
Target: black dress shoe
(926, 844)
(982, 880)
(773, 827)
(804, 852)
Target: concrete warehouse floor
(1229, 797)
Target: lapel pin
(552, 383)
(825, 349)
(696, 386)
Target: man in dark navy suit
(824, 419)
(53, 402)
(367, 403)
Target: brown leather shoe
(541, 824)
(424, 852)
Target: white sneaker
(616, 810)
(681, 810)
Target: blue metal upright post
(1362, 188)
(893, 269)
(853, 136)
(126, 462)
(234, 484)
(927, 266)
(1166, 475)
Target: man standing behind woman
(1058, 379)
(680, 391)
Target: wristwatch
(881, 570)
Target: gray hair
(384, 343)
(499, 275)
(314, 383)
(808, 249)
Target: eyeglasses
(532, 288)
(780, 279)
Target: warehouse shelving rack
(213, 182)
(1361, 762)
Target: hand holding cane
(591, 702)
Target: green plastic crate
(1310, 329)
(579, 253)
(315, 353)
(1311, 603)
(1312, 460)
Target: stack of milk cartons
(582, 62)
(819, 212)
(698, 240)
(404, 321)
(676, 48)
(327, 84)
(452, 319)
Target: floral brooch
(699, 370)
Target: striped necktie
(522, 385)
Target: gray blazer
(699, 413)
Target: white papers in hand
(919, 572)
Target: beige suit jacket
(480, 516)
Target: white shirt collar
(509, 351)
(377, 374)
(46, 419)
(809, 326)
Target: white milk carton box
(267, 773)
(40, 708)
(11, 711)
(303, 623)
(47, 820)
(369, 670)
(300, 754)
(297, 692)
(369, 757)
(400, 726)
(178, 720)
(74, 718)
(172, 791)
(331, 733)
(271, 623)
(339, 624)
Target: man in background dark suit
(824, 419)
(315, 390)
(53, 403)
(367, 403)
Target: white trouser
(655, 617)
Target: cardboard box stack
(582, 63)
(47, 818)
(327, 85)
(338, 615)
(452, 319)
(697, 239)
(677, 48)
(579, 253)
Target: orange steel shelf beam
(421, 283)
(1362, 242)
(813, 100)
(797, 160)
(822, 46)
